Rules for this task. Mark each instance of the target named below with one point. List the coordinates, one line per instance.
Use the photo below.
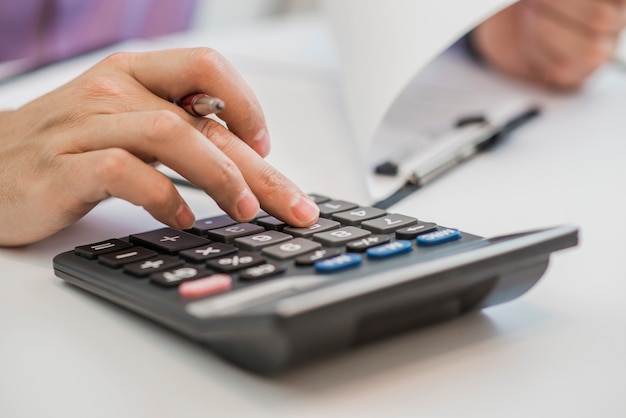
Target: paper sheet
(383, 46)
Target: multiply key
(207, 252)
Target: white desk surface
(559, 351)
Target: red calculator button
(206, 286)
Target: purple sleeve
(44, 31)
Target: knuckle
(161, 125)
(602, 17)
(271, 181)
(99, 86)
(116, 58)
(111, 164)
(200, 57)
(161, 193)
(596, 53)
(565, 76)
(214, 132)
(203, 58)
(227, 172)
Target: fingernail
(185, 217)
(305, 210)
(248, 205)
(261, 143)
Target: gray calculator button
(413, 231)
(388, 223)
(230, 233)
(320, 226)
(318, 198)
(290, 249)
(270, 222)
(355, 216)
(129, 255)
(262, 240)
(333, 206)
(340, 236)
(361, 245)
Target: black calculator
(268, 296)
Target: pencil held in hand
(201, 104)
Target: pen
(472, 135)
(200, 104)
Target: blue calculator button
(438, 237)
(390, 249)
(340, 262)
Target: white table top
(556, 352)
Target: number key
(388, 223)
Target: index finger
(175, 73)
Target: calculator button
(270, 222)
(388, 223)
(92, 251)
(333, 206)
(355, 216)
(340, 262)
(143, 268)
(175, 276)
(290, 249)
(320, 225)
(207, 252)
(440, 236)
(390, 249)
(261, 271)
(259, 241)
(130, 255)
(340, 236)
(367, 242)
(318, 198)
(261, 214)
(230, 233)
(168, 240)
(410, 232)
(236, 262)
(317, 255)
(206, 286)
(200, 227)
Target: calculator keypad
(219, 254)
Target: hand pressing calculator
(268, 296)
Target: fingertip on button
(305, 210)
(185, 217)
(247, 205)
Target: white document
(384, 48)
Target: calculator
(268, 296)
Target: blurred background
(216, 14)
